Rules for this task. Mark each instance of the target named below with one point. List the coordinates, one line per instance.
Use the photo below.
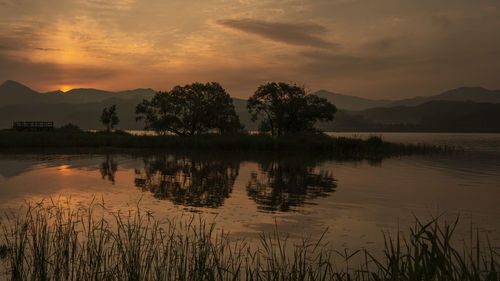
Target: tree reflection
(195, 182)
(282, 185)
(108, 169)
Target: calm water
(248, 194)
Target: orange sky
(368, 48)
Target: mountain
(78, 106)
(461, 109)
(85, 115)
(350, 102)
(474, 94)
(432, 110)
(12, 92)
(362, 114)
(240, 106)
(432, 116)
(86, 95)
(141, 92)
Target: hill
(12, 93)
(461, 109)
(433, 116)
(85, 95)
(80, 106)
(84, 115)
(240, 106)
(350, 102)
(474, 94)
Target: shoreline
(322, 144)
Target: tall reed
(59, 242)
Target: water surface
(246, 194)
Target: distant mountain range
(465, 109)
(78, 106)
(474, 94)
(12, 92)
(350, 102)
(433, 116)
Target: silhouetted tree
(286, 108)
(70, 127)
(190, 110)
(109, 118)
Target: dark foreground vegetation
(202, 116)
(466, 109)
(58, 243)
(337, 147)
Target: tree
(109, 118)
(285, 109)
(190, 110)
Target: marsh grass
(56, 242)
(340, 147)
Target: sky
(369, 48)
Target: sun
(65, 88)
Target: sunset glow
(65, 88)
(351, 47)
(65, 170)
(134, 134)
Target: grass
(55, 242)
(340, 147)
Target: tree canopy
(286, 108)
(109, 118)
(190, 110)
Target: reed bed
(318, 144)
(56, 242)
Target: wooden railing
(33, 125)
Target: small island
(202, 116)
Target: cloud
(5, 3)
(108, 4)
(20, 36)
(381, 45)
(48, 49)
(47, 75)
(16, 44)
(299, 34)
(388, 48)
(8, 43)
(442, 21)
(323, 63)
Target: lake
(246, 194)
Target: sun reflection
(65, 170)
